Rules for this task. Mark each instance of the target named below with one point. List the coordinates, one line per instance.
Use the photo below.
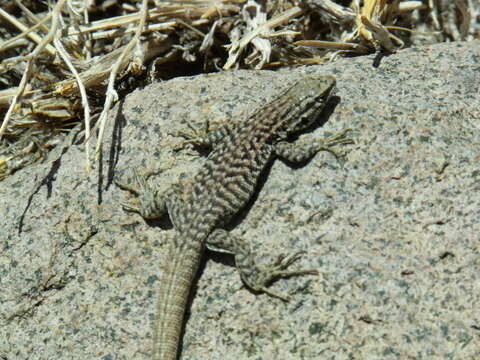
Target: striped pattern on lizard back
(201, 207)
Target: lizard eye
(304, 121)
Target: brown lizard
(200, 209)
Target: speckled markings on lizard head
(200, 209)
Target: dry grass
(63, 65)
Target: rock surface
(393, 227)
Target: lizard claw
(146, 194)
(194, 136)
(137, 189)
(127, 207)
(339, 138)
(127, 187)
(277, 270)
(152, 202)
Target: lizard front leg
(301, 152)
(153, 203)
(206, 137)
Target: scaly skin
(200, 208)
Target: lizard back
(221, 188)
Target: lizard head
(309, 94)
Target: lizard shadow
(228, 259)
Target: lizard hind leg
(256, 277)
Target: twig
(86, 107)
(6, 44)
(31, 58)
(28, 31)
(237, 47)
(33, 18)
(111, 93)
(167, 25)
(115, 22)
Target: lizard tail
(182, 265)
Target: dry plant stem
(33, 18)
(168, 25)
(466, 18)
(88, 37)
(433, 15)
(111, 23)
(99, 70)
(31, 58)
(86, 108)
(408, 6)
(331, 45)
(335, 10)
(16, 44)
(379, 33)
(5, 45)
(7, 95)
(236, 48)
(24, 29)
(111, 93)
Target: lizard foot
(194, 136)
(266, 275)
(339, 138)
(151, 203)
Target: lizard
(201, 208)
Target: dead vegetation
(64, 62)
